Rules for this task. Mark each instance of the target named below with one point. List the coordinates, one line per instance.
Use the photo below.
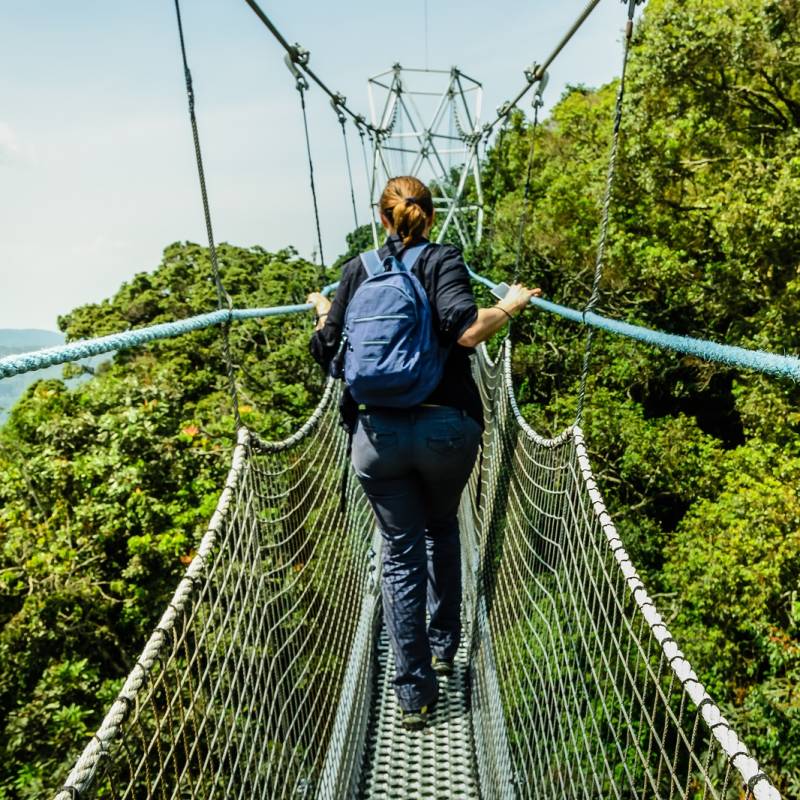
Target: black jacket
(443, 274)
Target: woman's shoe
(417, 720)
(442, 666)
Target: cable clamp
(532, 73)
(300, 82)
(299, 55)
(538, 100)
(338, 102)
(505, 109)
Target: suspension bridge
(269, 675)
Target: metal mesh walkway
(266, 677)
(437, 762)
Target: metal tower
(427, 123)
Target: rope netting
(256, 681)
(579, 689)
(260, 677)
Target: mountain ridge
(23, 340)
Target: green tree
(703, 241)
(107, 487)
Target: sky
(97, 168)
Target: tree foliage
(698, 461)
(106, 487)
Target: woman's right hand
(518, 297)
(321, 303)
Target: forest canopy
(106, 487)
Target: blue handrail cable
(125, 340)
(781, 366)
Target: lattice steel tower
(428, 127)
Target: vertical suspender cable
(538, 102)
(504, 113)
(370, 181)
(223, 298)
(302, 85)
(343, 121)
(603, 238)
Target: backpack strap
(372, 262)
(410, 256)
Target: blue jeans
(413, 465)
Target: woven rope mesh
(238, 691)
(578, 688)
(260, 678)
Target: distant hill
(18, 340)
(13, 340)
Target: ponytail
(407, 203)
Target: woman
(414, 463)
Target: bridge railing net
(250, 686)
(579, 690)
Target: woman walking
(413, 460)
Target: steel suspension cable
(537, 73)
(300, 57)
(223, 298)
(603, 239)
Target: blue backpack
(393, 357)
